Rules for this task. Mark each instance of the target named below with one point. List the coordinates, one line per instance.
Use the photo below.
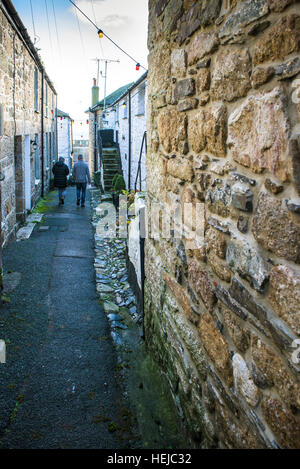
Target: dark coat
(60, 171)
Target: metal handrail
(139, 172)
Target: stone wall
(223, 131)
(20, 120)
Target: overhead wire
(80, 34)
(49, 30)
(56, 29)
(36, 37)
(95, 18)
(104, 34)
(94, 11)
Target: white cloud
(107, 14)
(114, 21)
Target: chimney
(95, 93)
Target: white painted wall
(64, 135)
(116, 118)
(133, 241)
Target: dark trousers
(81, 191)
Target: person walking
(61, 171)
(81, 175)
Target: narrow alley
(165, 313)
(59, 390)
(63, 388)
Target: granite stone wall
(222, 318)
(20, 118)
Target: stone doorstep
(35, 217)
(25, 232)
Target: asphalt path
(58, 388)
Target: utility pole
(107, 61)
(98, 68)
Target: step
(112, 165)
(111, 161)
(109, 149)
(111, 172)
(110, 155)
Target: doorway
(27, 173)
(19, 179)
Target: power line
(49, 31)
(94, 11)
(36, 38)
(80, 33)
(58, 43)
(95, 18)
(104, 34)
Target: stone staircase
(111, 165)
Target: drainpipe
(95, 142)
(56, 129)
(2, 177)
(129, 140)
(42, 136)
(72, 142)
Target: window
(36, 158)
(53, 158)
(53, 114)
(47, 150)
(125, 106)
(141, 101)
(36, 89)
(46, 100)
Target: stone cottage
(28, 142)
(222, 315)
(125, 116)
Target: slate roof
(118, 94)
(113, 97)
(62, 114)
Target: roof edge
(136, 83)
(17, 23)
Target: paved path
(58, 387)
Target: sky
(68, 43)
